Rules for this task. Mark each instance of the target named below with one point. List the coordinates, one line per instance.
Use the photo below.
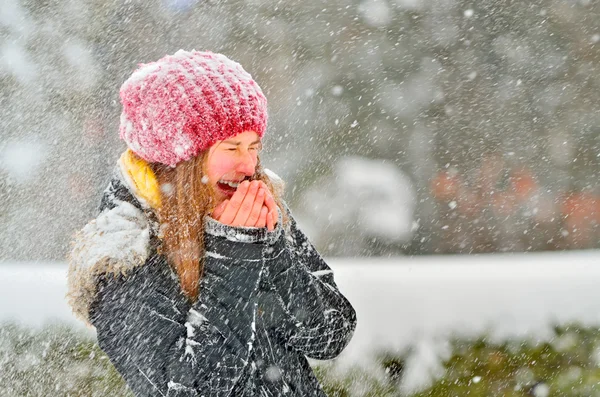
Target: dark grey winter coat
(267, 300)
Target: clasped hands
(252, 205)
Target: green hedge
(55, 361)
(58, 361)
(566, 365)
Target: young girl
(195, 274)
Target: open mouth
(229, 187)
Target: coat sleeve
(321, 321)
(165, 346)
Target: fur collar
(115, 242)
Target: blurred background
(399, 126)
(403, 128)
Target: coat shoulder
(116, 241)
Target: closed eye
(251, 148)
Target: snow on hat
(182, 104)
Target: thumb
(219, 209)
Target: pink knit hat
(182, 104)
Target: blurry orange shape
(445, 185)
(580, 206)
(580, 214)
(523, 183)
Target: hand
(271, 210)
(252, 205)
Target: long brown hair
(185, 201)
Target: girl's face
(230, 162)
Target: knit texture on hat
(184, 103)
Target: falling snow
(400, 127)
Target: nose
(246, 164)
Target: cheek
(219, 166)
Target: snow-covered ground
(402, 300)
(422, 300)
(398, 300)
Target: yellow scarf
(142, 177)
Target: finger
(246, 205)
(275, 216)
(273, 209)
(268, 191)
(270, 224)
(235, 202)
(256, 208)
(270, 203)
(219, 209)
(262, 219)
